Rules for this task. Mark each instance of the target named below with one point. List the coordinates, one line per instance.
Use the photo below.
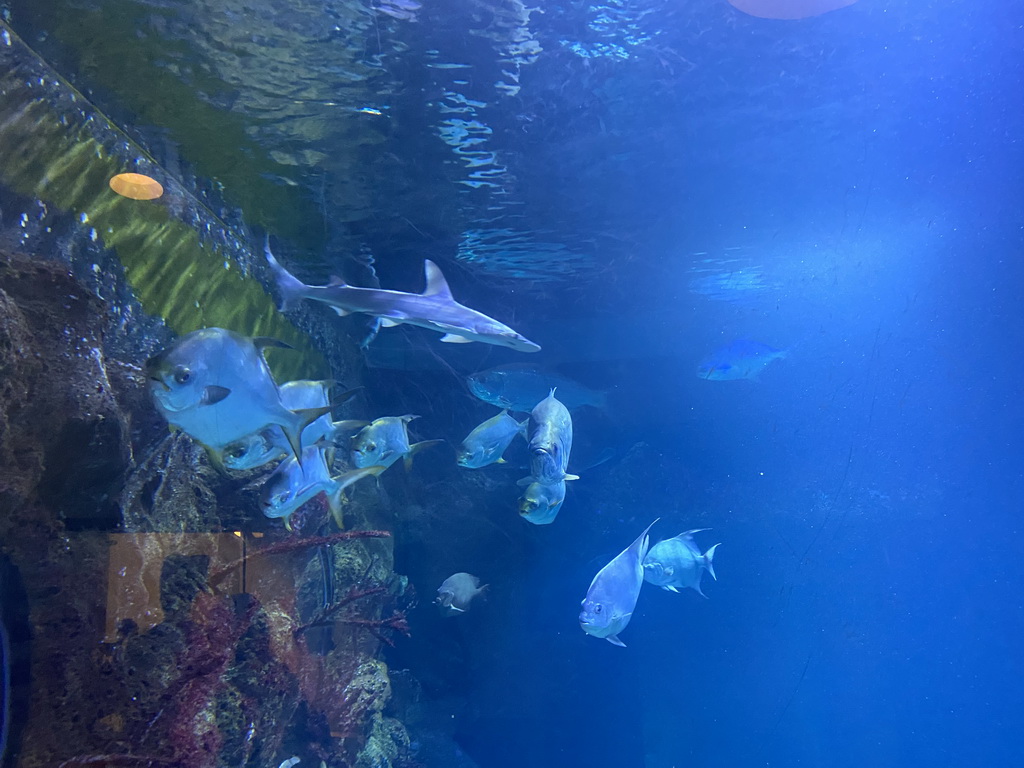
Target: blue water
(636, 185)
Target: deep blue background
(867, 490)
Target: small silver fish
(488, 441)
(540, 502)
(742, 359)
(386, 440)
(457, 592)
(270, 444)
(550, 441)
(215, 385)
(677, 563)
(294, 483)
(613, 593)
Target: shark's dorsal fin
(436, 284)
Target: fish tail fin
(336, 500)
(290, 288)
(416, 448)
(709, 556)
(299, 420)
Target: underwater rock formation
(166, 614)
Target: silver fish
(540, 502)
(386, 440)
(488, 441)
(677, 563)
(215, 385)
(457, 592)
(742, 359)
(550, 442)
(612, 596)
(435, 309)
(294, 483)
(519, 387)
(270, 444)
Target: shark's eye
(182, 374)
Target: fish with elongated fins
(270, 444)
(677, 563)
(386, 440)
(435, 309)
(294, 483)
(613, 593)
(488, 441)
(215, 385)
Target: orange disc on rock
(788, 9)
(136, 186)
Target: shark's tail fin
(709, 556)
(290, 289)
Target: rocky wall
(168, 623)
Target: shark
(435, 309)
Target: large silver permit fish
(294, 483)
(488, 441)
(613, 593)
(550, 442)
(540, 502)
(386, 440)
(677, 563)
(270, 444)
(435, 309)
(215, 385)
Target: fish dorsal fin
(267, 342)
(336, 282)
(436, 284)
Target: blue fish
(742, 359)
(485, 444)
(550, 442)
(386, 440)
(270, 444)
(215, 385)
(292, 484)
(520, 387)
(540, 502)
(678, 563)
(613, 593)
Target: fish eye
(182, 375)
(371, 446)
(597, 608)
(235, 453)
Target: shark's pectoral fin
(614, 640)
(387, 322)
(453, 338)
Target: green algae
(52, 153)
